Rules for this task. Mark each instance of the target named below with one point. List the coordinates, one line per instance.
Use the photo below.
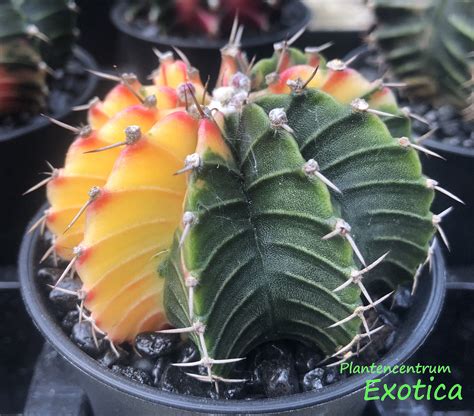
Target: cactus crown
(301, 204)
(428, 44)
(36, 37)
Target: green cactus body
(428, 44)
(56, 19)
(254, 248)
(22, 81)
(24, 57)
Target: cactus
(210, 19)
(428, 45)
(298, 207)
(35, 37)
(129, 112)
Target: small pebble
(188, 353)
(174, 380)
(276, 370)
(62, 300)
(142, 363)
(453, 141)
(153, 345)
(331, 375)
(81, 335)
(306, 359)
(110, 358)
(70, 319)
(313, 380)
(450, 128)
(158, 369)
(49, 275)
(402, 300)
(446, 112)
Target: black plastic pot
(456, 175)
(110, 394)
(23, 153)
(134, 48)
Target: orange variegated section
(68, 191)
(118, 98)
(172, 73)
(344, 85)
(131, 224)
(303, 72)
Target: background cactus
(35, 37)
(208, 18)
(428, 44)
(303, 207)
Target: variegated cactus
(301, 204)
(429, 44)
(36, 36)
(207, 18)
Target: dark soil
(274, 369)
(64, 89)
(446, 119)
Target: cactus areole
(283, 205)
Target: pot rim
(117, 12)
(449, 148)
(54, 334)
(87, 61)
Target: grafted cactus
(57, 21)
(208, 18)
(428, 44)
(35, 37)
(301, 205)
(22, 77)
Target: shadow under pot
(110, 393)
(25, 149)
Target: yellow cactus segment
(166, 97)
(298, 72)
(114, 130)
(130, 223)
(211, 140)
(68, 191)
(121, 97)
(346, 85)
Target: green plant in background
(211, 18)
(428, 44)
(36, 37)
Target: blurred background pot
(134, 46)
